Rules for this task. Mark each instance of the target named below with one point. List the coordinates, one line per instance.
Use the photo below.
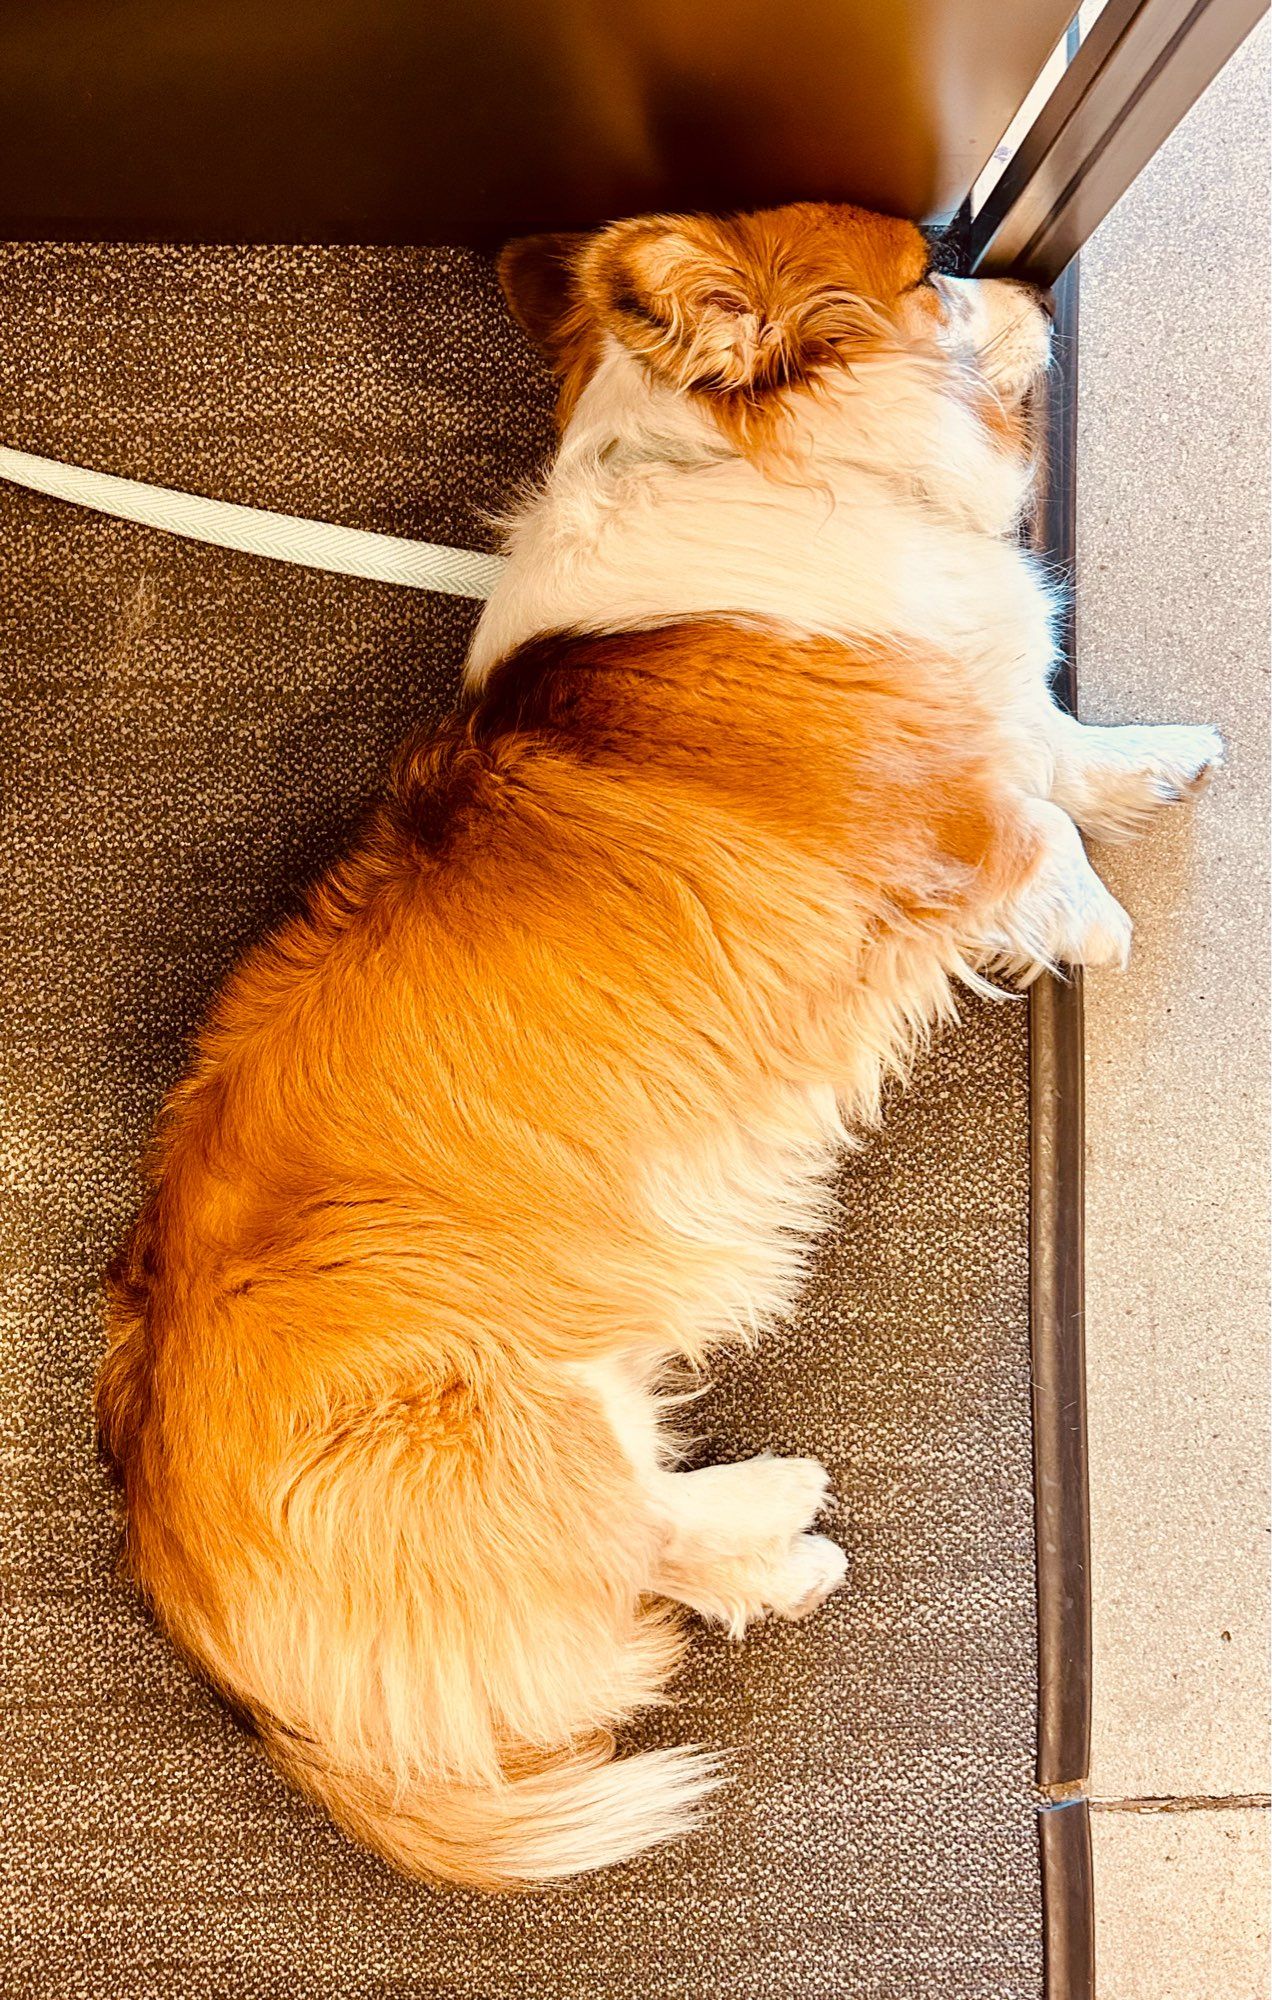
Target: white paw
(814, 1568)
(1187, 757)
(1138, 771)
(783, 1496)
(1094, 930)
(1064, 915)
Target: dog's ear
(735, 310)
(680, 294)
(537, 274)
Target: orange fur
(630, 894)
(448, 1141)
(738, 310)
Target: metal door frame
(1125, 89)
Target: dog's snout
(1041, 295)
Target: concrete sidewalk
(1173, 626)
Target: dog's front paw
(1064, 915)
(1093, 930)
(1134, 772)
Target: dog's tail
(549, 1817)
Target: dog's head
(746, 313)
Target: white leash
(282, 537)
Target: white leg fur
(1114, 781)
(1065, 915)
(736, 1544)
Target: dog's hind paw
(814, 1568)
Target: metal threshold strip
(1062, 1530)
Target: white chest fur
(895, 529)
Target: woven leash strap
(257, 532)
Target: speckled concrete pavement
(1173, 616)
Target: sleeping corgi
(536, 1105)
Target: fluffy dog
(536, 1104)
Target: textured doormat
(186, 737)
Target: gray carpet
(186, 736)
